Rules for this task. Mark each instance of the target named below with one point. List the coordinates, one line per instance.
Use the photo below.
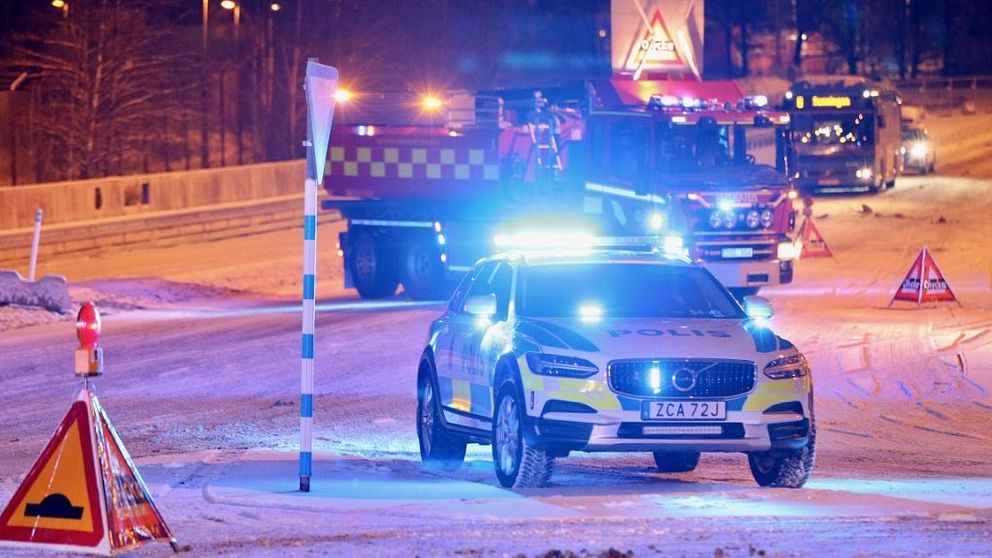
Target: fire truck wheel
(676, 462)
(423, 274)
(373, 272)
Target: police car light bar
(669, 245)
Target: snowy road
(203, 378)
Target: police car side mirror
(758, 307)
(481, 305)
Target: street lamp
(61, 5)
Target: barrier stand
(84, 493)
(35, 241)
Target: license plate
(828, 181)
(684, 410)
(737, 252)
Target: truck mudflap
(752, 274)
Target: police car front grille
(672, 377)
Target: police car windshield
(622, 290)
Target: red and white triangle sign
(655, 50)
(924, 282)
(814, 246)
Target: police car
(544, 353)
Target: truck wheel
(373, 273)
(676, 462)
(423, 273)
(519, 463)
(790, 470)
(438, 448)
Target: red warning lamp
(88, 326)
(89, 357)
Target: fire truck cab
(701, 161)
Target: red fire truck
(428, 185)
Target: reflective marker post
(321, 84)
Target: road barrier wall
(158, 229)
(123, 196)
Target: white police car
(540, 354)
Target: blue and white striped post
(320, 85)
(309, 319)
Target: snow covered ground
(202, 382)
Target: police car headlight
(794, 366)
(561, 366)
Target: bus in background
(845, 135)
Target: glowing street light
(431, 102)
(228, 4)
(58, 3)
(275, 6)
(342, 95)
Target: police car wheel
(423, 273)
(372, 271)
(519, 463)
(676, 462)
(784, 471)
(438, 448)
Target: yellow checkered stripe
(413, 163)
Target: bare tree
(104, 83)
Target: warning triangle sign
(84, 493)
(132, 517)
(924, 282)
(60, 502)
(654, 50)
(814, 246)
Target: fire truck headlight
(729, 220)
(919, 150)
(753, 219)
(789, 250)
(863, 174)
(715, 219)
(766, 218)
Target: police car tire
(534, 464)
(383, 281)
(788, 471)
(423, 273)
(446, 451)
(676, 462)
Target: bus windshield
(834, 130)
